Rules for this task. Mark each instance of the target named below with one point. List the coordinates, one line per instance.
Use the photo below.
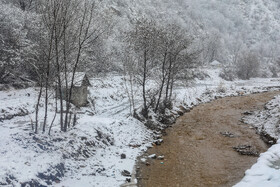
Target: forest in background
(158, 42)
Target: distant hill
(253, 24)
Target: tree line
(45, 40)
(157, 55)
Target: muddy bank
(198, 149)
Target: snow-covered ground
(89, 154)
(266, 172)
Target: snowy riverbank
(266, 172)
(91, 154)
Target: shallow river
(195, 151)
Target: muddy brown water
(196, 154)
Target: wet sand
(196, 154)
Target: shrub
(228, 73)
(248, 66)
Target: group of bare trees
(156, 55)
(248, 65)
(70, 27)
(13, 42)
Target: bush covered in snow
(228, 73)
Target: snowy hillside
(228, 25)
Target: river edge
(139, 164)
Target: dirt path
(196, 154)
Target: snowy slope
(89, 154)
(229, 25)
(266, 172)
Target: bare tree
(129, 70)
(143, 42)
(72, 27)
(180, 57)
(248, 65)
(161, 54)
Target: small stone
(148, 164)
(27, 163)
(151, 145)
(143, 160)
(227, 134)
(153, 156)
(160, 157)
(123, 156)
(126, 173)
(247, 113)
(128, 179)
(159, 142)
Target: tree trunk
(46, 97)
(51, 125)
(144, 85)
(168, 79)
(37, 107)
(132, 92)
(162, 82)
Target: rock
(267, 138)
(160, 157)
(159, 142)
(128, 179)
(153, 156)
(90, 143)
(157, 136)
(123, 156)
(180, 113)
(148, 164)
(247, 113)
(126, 173)
(100, 170)
(86, 153)
(183, 110)
(58, 140)
(71, 142)
(143, 160)
(246, 150)
(27, 163)
(227, 134)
